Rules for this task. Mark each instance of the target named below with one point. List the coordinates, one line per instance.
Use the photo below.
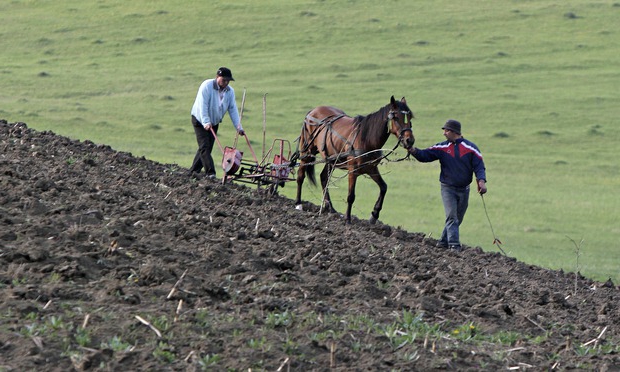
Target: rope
(496, 241)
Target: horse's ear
(392, 101)
(403, 100)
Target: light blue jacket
(207, 107)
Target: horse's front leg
(301, 176)
(374, 216)
(325, 175)
(351, 196)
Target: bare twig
(85, 322)
(315, 256)
(37, 341)
(577, 254)
(496, 241)
(179, 306)
(536, 324)
(282, 365)
(189, 356)
(596, 340)
(143, 321)
(174, 288)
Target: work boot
(442, 245)
(456, 248)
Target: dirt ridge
(93, 241)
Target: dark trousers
(205, 141)
(455, 203)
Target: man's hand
(482, 187)
(207, 126)
(241, 132)
(413, 150)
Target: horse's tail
(309, 170)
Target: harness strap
(328, 120)
(349, 144)
(327, 123)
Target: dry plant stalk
(38, 341)
(85, 323)
(282, 365)
(174, 288)
(143, 321)
(536, 324)
(596, 340)
(179, 306)
(189, 356)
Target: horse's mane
(373, 125)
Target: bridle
(391, 116)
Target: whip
(496, 241)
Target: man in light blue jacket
(214, 98)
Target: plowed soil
(111, 262)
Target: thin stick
(85, 322)
(149, 325)
(332, 356)
(282, 365)
(315, 256)
(240, 117)
(596, 340)
(179, 306)
(189, 356)
(536, 324)
(242, 105)
(496, 241)
(174, 288)
(264, 122)
(37, 341)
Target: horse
(351, 143)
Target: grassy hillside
(533, 82)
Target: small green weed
(284, 319)
(208, 361)
(164, 352)
(117, 344)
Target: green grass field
(533, 82)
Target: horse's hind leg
(325, 175)
(351, 196)
(374, 216)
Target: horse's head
(400, 116)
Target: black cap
(452, 125)
(225, 73)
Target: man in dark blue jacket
(460, 159)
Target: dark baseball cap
(225, 73)
(452, 125)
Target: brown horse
(353, 144)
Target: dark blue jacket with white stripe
(459, 161)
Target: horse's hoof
(372, 219)
(299, 207)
